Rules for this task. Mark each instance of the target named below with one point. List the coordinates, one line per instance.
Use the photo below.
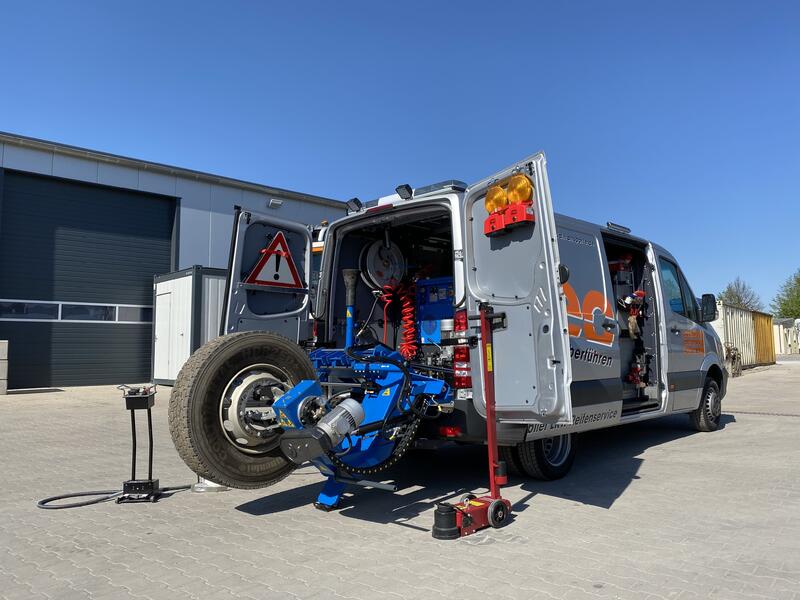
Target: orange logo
(693, 342)
(590, 315)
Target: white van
(599, 328)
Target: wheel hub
(556, 449)
(246, 413)
(714, 404)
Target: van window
(689, 300)
(672, 287)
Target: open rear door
(268, 279)
(513, 264)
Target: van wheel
(707, 415)
(547, 458)
(222, 383)
(509, 455)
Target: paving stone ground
(652, 510)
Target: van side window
(672, 287)
(692, 310)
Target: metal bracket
(271, 289)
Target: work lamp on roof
(354, 205)
(405, 191)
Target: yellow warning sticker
(283, 420)
(387, 392)
(489, 366)
(349, 314)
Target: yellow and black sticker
(489, 366)
(283, 420)
(387, 392)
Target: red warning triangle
(276, 266)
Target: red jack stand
(473, 513)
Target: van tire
(707, 416)
(508, 454)
(541, 459)
(194, 407)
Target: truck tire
(249, 367)
(707, 415)
(509, 455)
(548, 458)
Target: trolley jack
(140, 490)
(473, 513)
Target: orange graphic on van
(587, 317)
(693, 342)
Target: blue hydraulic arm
(370, 416)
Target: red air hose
(409, 346)
(406, 294)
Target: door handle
(609, 324)
(676, 330)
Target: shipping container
(749, 331)
(187, 308)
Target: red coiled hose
(386, 297)
(406, 294)
(409, 346)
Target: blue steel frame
(383, 400)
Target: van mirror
(708, 308)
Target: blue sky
(678, 119)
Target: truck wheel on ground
(218, 392)
(508, 454)
(547, 458)
(707, 415)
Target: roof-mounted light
(405, 191)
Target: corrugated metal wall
(764, 343)
(211, 311)
(71, 242)
(749, 331)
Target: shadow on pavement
(607, 461)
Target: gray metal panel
(68, 241)
(64, 240)
(27, 159)
(56, 354)
(72, 167)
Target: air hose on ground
(133, 490)
(102, 496)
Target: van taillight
(462, 377)
(460, 320)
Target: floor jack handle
(488, 396)
(496, 477)
(473, 513)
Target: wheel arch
(716, 373)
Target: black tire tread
(179, 407)
(529, 462)
(699, 418)
(532, 461)
(508, 454)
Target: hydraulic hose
(102, 496)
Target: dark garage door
(76, 279)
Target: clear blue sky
(679, 119)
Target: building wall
(205, 209)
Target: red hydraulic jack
(473, 513)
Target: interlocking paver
(650, 511)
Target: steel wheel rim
(238, 397)
(713, 405)
(557, 449)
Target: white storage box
(187, 308)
